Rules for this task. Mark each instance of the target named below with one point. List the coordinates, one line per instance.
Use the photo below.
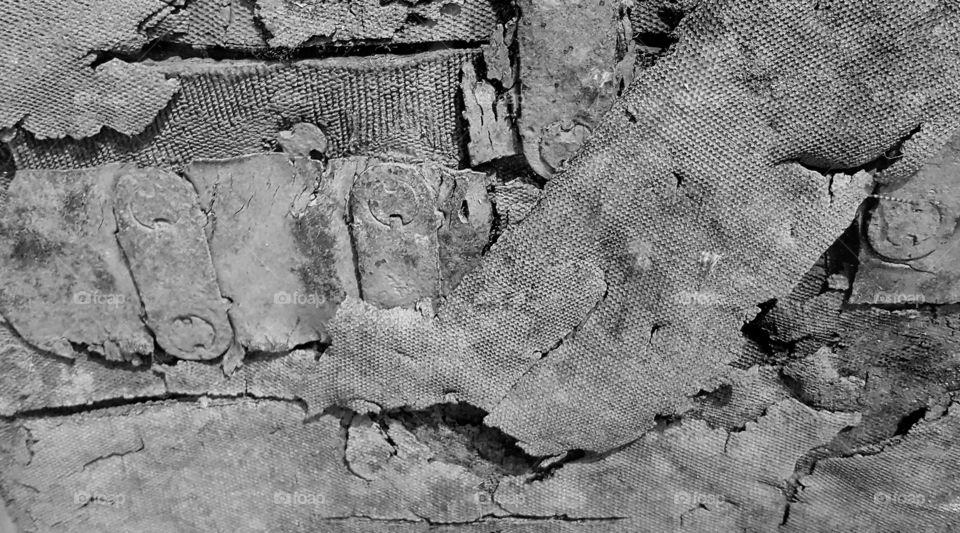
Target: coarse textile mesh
(250, 24)
(51, 87)
(697, 198)
(911, 486)
(238, 463)
(232, 465)
(620, 297)
(204, 23)
(658, 16)
(381, 104)
(7, 171)
(292, 24)
(32, 380)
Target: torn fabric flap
(54, 90)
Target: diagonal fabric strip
(696, 199)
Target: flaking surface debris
(479, 266)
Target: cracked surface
(64, 275)
(910, 485)
(276, 251)
(492, 133)
(690, 262)
(654, 341)
(174, 473)
(292, 24)
(737, 477)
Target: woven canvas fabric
(251, 465)
(292, 24)
(695, 200)
(690, 476)
(609, 320)
(201, 23)
(384, 104)
(910, 487)
(32, 380)
(250, 24)
(256, 454)
(51, 87)
(711, 478)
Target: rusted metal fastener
(901, 229)
(161, 231)
(395, 235)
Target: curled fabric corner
(694, 201)
(54, 90)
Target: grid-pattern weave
(694, 201)
(383, 104)
(247, 24)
